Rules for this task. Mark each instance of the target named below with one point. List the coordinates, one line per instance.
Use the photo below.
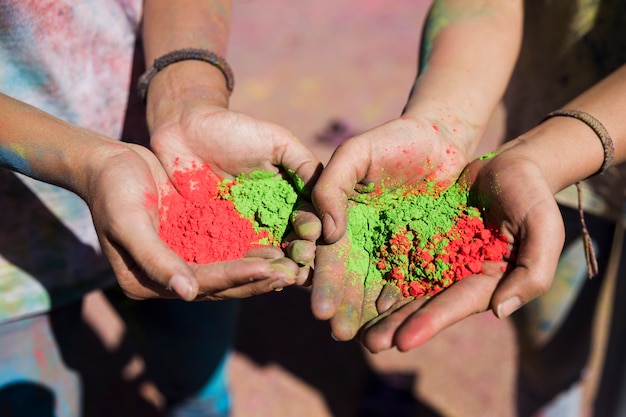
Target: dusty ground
(307, 65)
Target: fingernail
(180, 285)
(328, 225)
(508, 307)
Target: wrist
(565, 149)
(454, 126)
(182, 86)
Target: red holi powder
(469, 244)
(200, 226)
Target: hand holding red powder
(127, 224)
(532, 223)
(231, 143)
(400, 153)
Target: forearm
(566, 149)
(170, 25)
(468, 52)
(43, 147)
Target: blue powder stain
(14, 161)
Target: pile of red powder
(206, 219)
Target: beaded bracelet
(609, 153)
(183, 55)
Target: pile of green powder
(266, 199)
(420, 239)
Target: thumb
(146, 267)
(303, 166)
(330, 198)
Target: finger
(306, 223)
(148, 261)
(535, 263)
(349, 317)
(301, 251)
(378, 334)
(346, 322)
(305, 276)
(371, 293)
(464, 298)
(332, 190)
(389, 296)
(301, 163)
(328, 279)
(244, 278)
(266, 252)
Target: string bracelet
(609, 153)
(599, 130)
(184, 55)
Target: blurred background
(328, 70)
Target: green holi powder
(411, 237)
(488, 155)
(421, 239)
(298, 183)
(436, 20)
(374, 219)
(266, 199)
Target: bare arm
(519, 182)
(120, 183)
(468, 52)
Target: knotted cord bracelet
(184, 55)
(599, 130)
(609, 153)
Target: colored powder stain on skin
(421, 239)
(209, 220)
(488, 155)
(13, 157)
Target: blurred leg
(186, 347)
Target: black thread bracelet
(184, 55)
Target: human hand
(232, 143)
(124, 192)
(400, 153)
(514, 195)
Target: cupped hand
(124, 190)
(232, 143)
(399, 153)
(514, 195)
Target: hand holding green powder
(419, 240)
